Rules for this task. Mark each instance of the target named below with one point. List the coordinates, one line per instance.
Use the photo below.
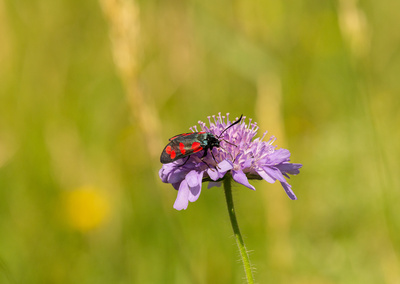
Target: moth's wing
(184, 136)
(180, 146)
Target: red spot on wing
(182, 148)
(201, 132)
(196, 147)
(170, 152)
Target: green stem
(236, 231)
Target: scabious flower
(239, 157)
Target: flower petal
(182, 200)
(289, 168)
(265, 176)
(240, 177)
(194, 193)
(247, 163)
(274, 173)
(164, 172)
(195, 188)
(288, 188)
(279, 156)
(173, 175)
(192, 178)
(176, 185)
(212, 183)
(213, 174)
(225, 166)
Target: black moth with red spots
(186, 144)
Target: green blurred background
(90, 92)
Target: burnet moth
(186, 144)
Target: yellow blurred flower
(86, 208)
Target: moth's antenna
(236, 122)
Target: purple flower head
(239, 157)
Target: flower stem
(236, 231)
